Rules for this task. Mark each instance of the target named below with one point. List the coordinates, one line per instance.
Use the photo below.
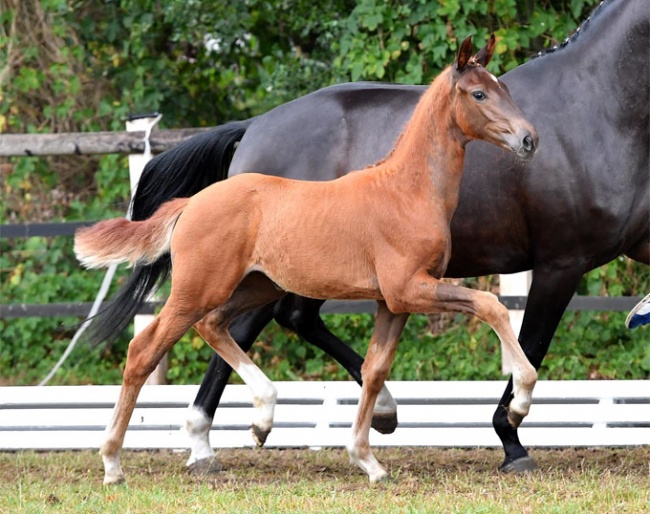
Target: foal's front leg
(381, 351)
(428, 295)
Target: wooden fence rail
(84, 143)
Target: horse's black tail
(181, 171)
(187, 168)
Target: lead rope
(108, 277)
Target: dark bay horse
(386, 237)
(583, 201)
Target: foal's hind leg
(145, 352)
(381, 351)
(264, 393)
(244, 330)
(253, 292)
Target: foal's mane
(576, 33)
(424, 100)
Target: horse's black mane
(576, 33)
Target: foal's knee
(490, 308)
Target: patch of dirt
(242, 467)
(415, 464)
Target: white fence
(320, 414)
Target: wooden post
(137, 163)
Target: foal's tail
(179, 172)
(119, 240)
(143, 244)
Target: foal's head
(483, 106)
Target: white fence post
(137, 163)
(515, 284)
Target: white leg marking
(264, 395)
(198, 428)
(524, 375)
(113, 473)
(523, 382)
(367, 462)
(112, 469)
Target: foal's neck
(429, 154)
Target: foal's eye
(479, 96)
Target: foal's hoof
(259, 435)
(521, 465)
(205, 467)
(380, 478)
(514, 419)
(385, 423)
(114, 480)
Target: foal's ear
(485, 54)
(464, 54)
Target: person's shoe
(640, 315)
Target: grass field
(301, 481)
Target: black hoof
(259, 435)
(521, 465)
(384, 423)
(205, 467)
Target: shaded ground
(421, 463)
(269, 465)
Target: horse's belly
(317, 279)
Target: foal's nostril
(528, 143)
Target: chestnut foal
(264, 236)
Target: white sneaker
(640, 314)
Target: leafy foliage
(69, 66)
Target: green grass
(300, 481)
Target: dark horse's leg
(300, 315)
(550, 293)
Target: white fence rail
(320, 414)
